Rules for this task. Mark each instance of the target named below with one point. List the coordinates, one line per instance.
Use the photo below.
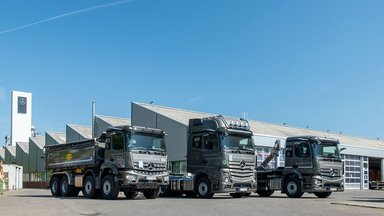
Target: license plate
(150, 178)
(242, 189)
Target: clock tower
(21, 121)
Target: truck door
(115, 147)
(303, 159)
(211, 153)
(204, 153)
(194, 155)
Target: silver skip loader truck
(125, 158)
(220, 159)
(312, 164)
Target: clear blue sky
(307, 63)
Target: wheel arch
(288, 175)
(71, 181)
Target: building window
(178, 167)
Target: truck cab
(220, 158)
(137, 156)
(312, 164)
(316, 162)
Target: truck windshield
(145, 142)
(326, 150)
(237, 143)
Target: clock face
(22, 106)
(22, 101)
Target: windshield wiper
(144, 152)
(235, 151)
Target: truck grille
(331, 172)
(150, 168)
(241, 171)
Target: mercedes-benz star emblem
(150, 166)
(22, 101)
(242, 164)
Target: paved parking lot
(40, 202)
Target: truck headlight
(226, 177)
(130, 177)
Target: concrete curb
(378, 206)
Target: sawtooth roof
(265, 129)
(114, 121)
(39, 141)
(23, 146)
(84, 131)
(59, 137)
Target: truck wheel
(293, 187)
(204, 188)
(151, 194)
(236, 195)
(323, 194)
(109, 189)
(89, 189)
(265, 193)
(55, 186)
(130, 194)
(65, 188)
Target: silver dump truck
(126, 158)
(312, 164)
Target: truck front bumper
(326, 184)
(140, 181)
(238, 187)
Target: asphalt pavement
(40, 202)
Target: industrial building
(54, 138)
(30, 155)
(363, 158)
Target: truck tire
(293, 187)
(151, 194)
(204, 188)
(236, 195)
(265, 193)
(323, 194)
(109, 189)
(55, 186)
(130, 194)
(66, 189)
(89, 189)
